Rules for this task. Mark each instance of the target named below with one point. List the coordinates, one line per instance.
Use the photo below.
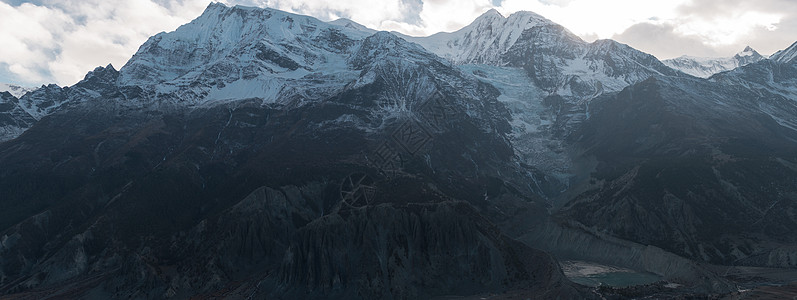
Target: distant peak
(749, 55)
(214, 8)
(747, 51)
(107, 73)
(493, 12)
(108, 68)
(491, 15)
(215, 5)
(100, 68)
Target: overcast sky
(58, 41)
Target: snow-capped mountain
(254, 153)
(748, 56)
(253, 116)
(242, 52)
(685, 143)
(786, 56)
(13, 89)
(558, 61)
(675, 163)
(485, 40)
(777, 75)
(352, 25)
(225, 54)
(547, 76)
(704, 67)
(51, 98)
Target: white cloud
(728, 29)
(373, 14)
(113, 30)
(665, 42)
(29, 35)
(601, 19)
(60, 40)
(717, 28)
(451, 15)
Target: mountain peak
(383, 44)
(215, 4)
(263, 40)
(100, 68)
(748, 56)
(492, 13)
(101, 74)
(5, 95)
(214, 7)
(489, 17)
(519, 17)
(485, 39)
(748, 51)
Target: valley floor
(613, 282)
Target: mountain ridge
(705, 67)
(13, 89)
(395, 115)
(242, 153)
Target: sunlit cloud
(598, 19)
(59, 41)
(726, 30)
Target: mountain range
(258, 153)
(15, 90)
(705, 67)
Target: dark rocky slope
(108, 199)
(695, 168)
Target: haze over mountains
(258, 153)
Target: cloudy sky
(58, 41)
